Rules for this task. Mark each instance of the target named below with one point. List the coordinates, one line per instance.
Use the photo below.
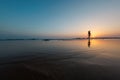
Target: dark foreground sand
(56, 69)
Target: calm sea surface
(60, 60)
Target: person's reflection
(89, 43)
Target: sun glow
(93, 34)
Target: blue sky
(59, 18)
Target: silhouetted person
(89, 34)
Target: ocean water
(97, 59)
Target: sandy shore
(56, 69)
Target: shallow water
(60, 60)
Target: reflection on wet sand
(61, 60)
(89, 43)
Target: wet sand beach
(60, 60)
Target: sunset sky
(59, 18)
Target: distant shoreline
(61, 39)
